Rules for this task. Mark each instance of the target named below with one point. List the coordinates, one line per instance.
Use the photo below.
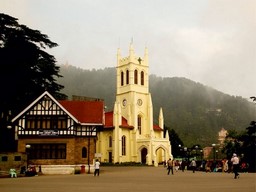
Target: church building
(129, 134)
(73, 133)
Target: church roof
(85, 111)
(157, 128)
(109, 121)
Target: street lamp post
(214, 152)
(27, 151)
(89, 151)
(186, 153)
(180, 151)
(201, 154)
(196, 147)
(89, 146)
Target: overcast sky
(208, 41)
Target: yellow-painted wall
(133, 100)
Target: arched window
(139, 124)
(122, 78)
(110, 141)
(127, 77)
(142, 78)
(135, 77)
(84, 152)
(123, 145)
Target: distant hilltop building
(214, 111)
(222, 136)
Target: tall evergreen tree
(176, 143)
(249, 146)
(243, 144)
(26, 69)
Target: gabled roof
(86, 112)
(46, 93)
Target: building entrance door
(144, 153)
(110, 157)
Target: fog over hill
(195, 111)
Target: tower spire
(146, 56)
(118, 55)
(131, 49)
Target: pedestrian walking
(170, 166)
(97, 168)
(225, 166)
(177, 165)
(183, 165)
(193, 165)
(235, 163)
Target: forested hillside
(196, 112)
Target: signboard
(48, 133)
(97, 155)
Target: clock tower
(144, 142)
(133, 88)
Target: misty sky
(208, 41)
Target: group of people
(29, 171)
(173, 164)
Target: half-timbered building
(55, 132)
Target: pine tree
(26, 69)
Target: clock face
(124, 102)
(139, 102)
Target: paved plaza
(134, 179)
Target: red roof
(85, 111)
(109, 121)
(157, 128)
